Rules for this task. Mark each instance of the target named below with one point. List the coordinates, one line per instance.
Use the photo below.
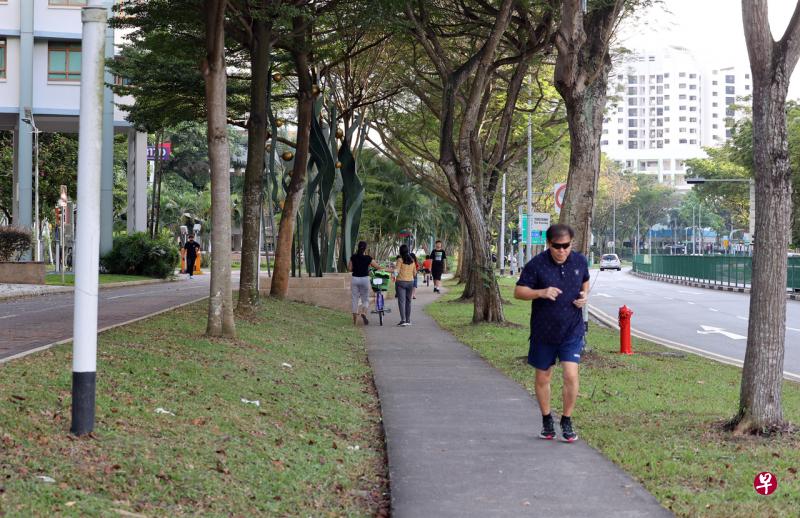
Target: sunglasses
(561, 246)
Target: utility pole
(36, 225)
(503, 228)
(520, 262)
(638, 249)
(614, 228)
(528, 246)
(87, 246)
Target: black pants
(190, 259)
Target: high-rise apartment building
(40, 77)
(664, 107)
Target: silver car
(610, 262)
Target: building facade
(664, 107)
(40, 67)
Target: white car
(610, 262)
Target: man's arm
(583, 298)
(526, 293)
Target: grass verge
(657, 416)
(312, 447)
(54, 279)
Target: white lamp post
(29, 119)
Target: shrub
(137, 254)
(14, 241)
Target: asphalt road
(33, 322)
(710, 320)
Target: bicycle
(380, 280)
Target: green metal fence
(726, 270)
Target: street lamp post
(29, 119)
(752, 192)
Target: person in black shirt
(359, 264)
(192, 249)
(438, 265)
(557, 281)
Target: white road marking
(691, 292)
(714, 310)
(7, 316)
(669, 298)
(603, 295)
(741, 318)
(710, 330)
(792, 328)
(690, 302)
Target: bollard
(625, 330)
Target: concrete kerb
(697, 284)
(609, 321)
(36, 290)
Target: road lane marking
(741, 318)
(690, 302)
(603, 295)
(714, 310)
(792, 328)
(691, 292)
(710, 330)
(7, 316)
(669, 298)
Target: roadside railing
(724, 270)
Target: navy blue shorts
(543, 356)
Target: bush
(137, 254)
(14, 241)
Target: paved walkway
(462, 437)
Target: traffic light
(514, 237)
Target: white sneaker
(405, 324)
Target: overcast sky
(710, 29)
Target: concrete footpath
(462, 438)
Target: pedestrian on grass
(438, 266)
(557, 281)
(405, 269)
(192, 250)
(359, 264)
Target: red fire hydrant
(625, 330)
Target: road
(710, 320)
(30, 323)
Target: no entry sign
(559, 189)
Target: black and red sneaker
(567, 433)
(548, 432)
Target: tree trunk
(220, 303)
(771, 63)
(294, 194)
(253, 174)
(585, 120)
(581, 76)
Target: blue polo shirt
(555, 322)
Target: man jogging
(438, 265)
(557, 281)
(192, 248)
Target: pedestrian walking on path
(461, 438)
(405, 270)
(438, 265)
(557, 281)
(360, 264)
(192, 250)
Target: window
(2, 59)
(681, 119)
(631, 80)
(619, 132)
(603, 142)
(692, 119)
(715, 115)
(682, 130)
(692, 141)
(692, 76)
(730, 79)
(682, 108)
(714, 126)
(682, 85)
(692, 130)
(632, 134)
(730, 113)
(692, 108)
(632, 144)
(72, 3)
(632, 90)
(666, 141)
(64, 61)
(692, 97)
(682, 96)
(747, 76)
(620, 142)
(714, 105)
(682, 141)
(692, 87)
(747, 87)
(729, 101)
(728, 133)
(632, 123)
(730, 90)
(714, 83)
(682, 74)
(632, 112)
(666, 75)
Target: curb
(70, 289)
(696, 284)
(608, 321)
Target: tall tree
(220, 305)
(496, 47)
(771, 64)
(581, 77)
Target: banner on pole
(537, 233)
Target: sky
(710, 29)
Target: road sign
(165, 149)
(559, 189)
(541, 220)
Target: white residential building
(40, 66)
(664, 107)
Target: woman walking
(404, 271)
(359, 285)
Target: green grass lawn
(657, 416)
(54, 279)
(313, 447)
